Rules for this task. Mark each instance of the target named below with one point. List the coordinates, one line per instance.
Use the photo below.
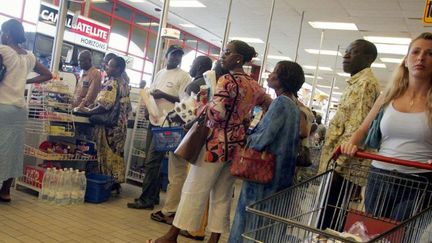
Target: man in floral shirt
(355, 104)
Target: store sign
(170, 33)
(86, 32)
(427, 16)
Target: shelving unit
(138, 147)
(49, 117)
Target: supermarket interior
(126, 133)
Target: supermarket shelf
(20, 182)
(134, 179)
(30, 151)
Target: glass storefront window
(75, 7)
(12, 8)
(119, 35)
(203, 47)
(123, 12)
(31, 11)
(148, 67)
(137, 63)
(105, 6)
(188, 59)
(151, 47)
(98, 16)
(134, 77)
(137, 42)
(148, 78)
(142, 20)
(190, 41)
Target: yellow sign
(427, 17)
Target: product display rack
(138, 145)
(49, 116)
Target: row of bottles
(63, 187)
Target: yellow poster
(427, 17)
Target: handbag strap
(229, 116)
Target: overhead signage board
(84, 31)
(427, 16)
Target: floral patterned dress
(234, 98)
(110, 141)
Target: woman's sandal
(160, 217)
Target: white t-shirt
(172, 82)
(17, 69)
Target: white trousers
(177, 172)
(203, 181)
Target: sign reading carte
(87, 32)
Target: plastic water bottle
(53, 184)
(43, 195)
(75, 187)
(66, 184)
(82, 186)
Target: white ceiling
(249, 18)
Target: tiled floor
(26, 219)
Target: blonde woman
(406, 133)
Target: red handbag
(252, 165)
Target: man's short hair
(369, 48)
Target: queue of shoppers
(207, 186)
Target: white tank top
(17, 69)
(405, 136)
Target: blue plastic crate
(98, 188)
(167, 138)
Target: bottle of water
(66, 184)
(82, 186)
(43, 195)
(75, 187)
(59, 195)
(53, 185)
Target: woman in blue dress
(278, 132)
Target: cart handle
(365, 155)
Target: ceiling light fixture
(248, 40)
(320, 68)
(323, 52)
(388, 40)
(188, 25)
(333, 25)
(337, 93)
(344, 74)
(391, 60)
(186, 4)
(100, 1)
(327, 86)
(392, 49)
(379, 65)
(276, 57)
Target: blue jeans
(395, 195)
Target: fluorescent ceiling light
(276, 57)
(311, 76)
(391, 60)
(337, 93)
(327, 86)
(320, 68)
(388, 40)
(323, 52)
(248, 40)
(137, 1)
(344, 74)
(379, 65)
(333, 25)
(101, 1)
(186, 4)
(152, 24)
(188, 25)
(392, 49)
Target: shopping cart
(398, 210)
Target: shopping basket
(167, 138)
(398, 210)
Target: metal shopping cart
(398, 207)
